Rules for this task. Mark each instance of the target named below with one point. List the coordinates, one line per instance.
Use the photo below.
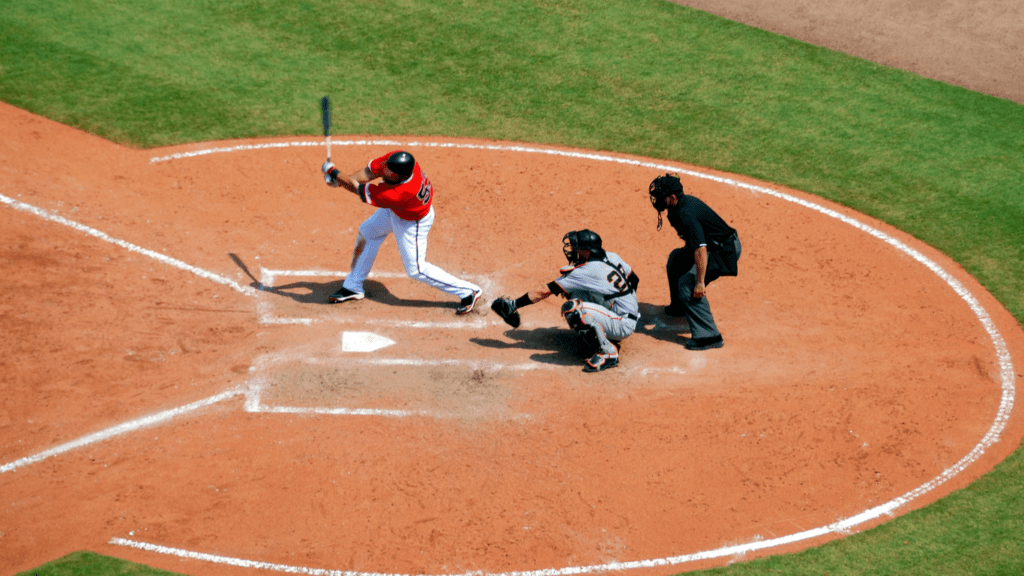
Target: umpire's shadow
(561, 346)
(307, 292)
(660, 326)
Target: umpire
(712, 250)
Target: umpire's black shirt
(698, 224)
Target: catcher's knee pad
(572, 311)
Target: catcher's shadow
(561, 347)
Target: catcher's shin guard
(590, 337)
(573, 313)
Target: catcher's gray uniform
(601, 300)
(601, 292)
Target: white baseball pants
(411, 238)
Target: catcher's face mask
(569, 247)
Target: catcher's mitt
(506, 308)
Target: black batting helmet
(399, 166)
(581, 240)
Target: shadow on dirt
(307, 292)
(561, 346)
(565, 348)
(658, 325)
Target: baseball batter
(403, 199)
(600, 289)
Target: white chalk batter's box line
(264, 365)
(266, 314)
(1006, 371)
(254, 404)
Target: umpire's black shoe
(344, 295)
(466, 304)
(600, 361)
(704, 343)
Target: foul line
(131, 426)
(47, 215)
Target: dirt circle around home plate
(181, 394)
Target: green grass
(644, 77)
(975, 531)
(91, 564)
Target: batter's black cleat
(600, 361)
(704, 343)
(344, 295)
(467, 303)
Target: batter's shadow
(318, 292)
(306, 292)
(561, 346)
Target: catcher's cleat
(344, 295)
(599, 362)
(704, 343)
(467, 303)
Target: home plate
(363, 342)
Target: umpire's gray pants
(698, 311)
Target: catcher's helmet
(399, 167)
(581, 240)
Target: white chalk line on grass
(131, 426)
(1006, 374)
(47, 215)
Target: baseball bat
(325, 115)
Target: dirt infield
(975, 45)
(178, 393)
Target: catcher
(600, 289)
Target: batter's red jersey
(410, 200)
